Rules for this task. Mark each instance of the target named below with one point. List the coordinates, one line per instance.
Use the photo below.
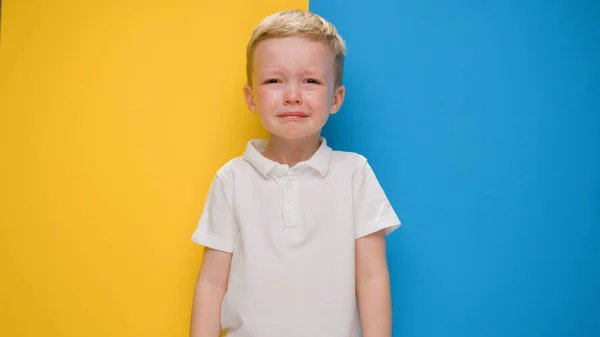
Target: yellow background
(114, 116)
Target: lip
(293, 114)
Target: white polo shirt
(292, 233)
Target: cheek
(268, 97)
(318, 99)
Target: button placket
(290, 202)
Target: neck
(291, 152)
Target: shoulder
(227, 172)
(351, 162)
(348, 158)
(355, 166)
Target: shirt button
(290, 208)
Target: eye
(271, 80)
(313, 81)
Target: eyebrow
(271, 72)
(265, 73)
(313, 73)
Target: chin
(292, 132)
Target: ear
(338, 99)
(249, 96)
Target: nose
(292, 94)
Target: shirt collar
(319, 161)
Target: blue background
(482, 122)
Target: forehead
(293, 53)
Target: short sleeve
(217, 227)
(372, 209)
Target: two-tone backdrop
(481, 119)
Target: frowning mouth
(293, 115)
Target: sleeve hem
(213, 242)
(389, 223)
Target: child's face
(292, 88)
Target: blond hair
(298, 23)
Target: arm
(373, 286)
(211, 286)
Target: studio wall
(114, 116)
(482, 121)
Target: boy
(294, 232)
